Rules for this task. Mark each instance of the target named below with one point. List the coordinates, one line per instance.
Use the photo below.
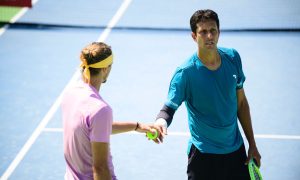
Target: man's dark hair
(202, 16)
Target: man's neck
(95, 83)
(96, 86)
(211, 59)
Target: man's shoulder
(228, 52)
(188, 63)
(100, 104)
(98, 108)
(93, 103)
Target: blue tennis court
(149, 40)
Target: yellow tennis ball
(151, 135)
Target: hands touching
(159, 126)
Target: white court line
(57, 102)
(187, 134)
(16, 17)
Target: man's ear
(193, 36)
(104, 70)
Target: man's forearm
(167, 114)
(101, 173)
(245, 120)
(121, 127)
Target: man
(210, 83)
(88, 120)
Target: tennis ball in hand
(152, 136)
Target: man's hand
(253, 153)
(162, 124)
(151, 128)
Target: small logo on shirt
(234, 76)
(174, 104)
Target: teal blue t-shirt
(211, 101)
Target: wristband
(137, 126)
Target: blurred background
(40, 42)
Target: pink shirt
(86, 118)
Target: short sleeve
(241, 77)
(177, 90)
(101, 125)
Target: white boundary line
(16, 17)
(57, 102)
(187, 134)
